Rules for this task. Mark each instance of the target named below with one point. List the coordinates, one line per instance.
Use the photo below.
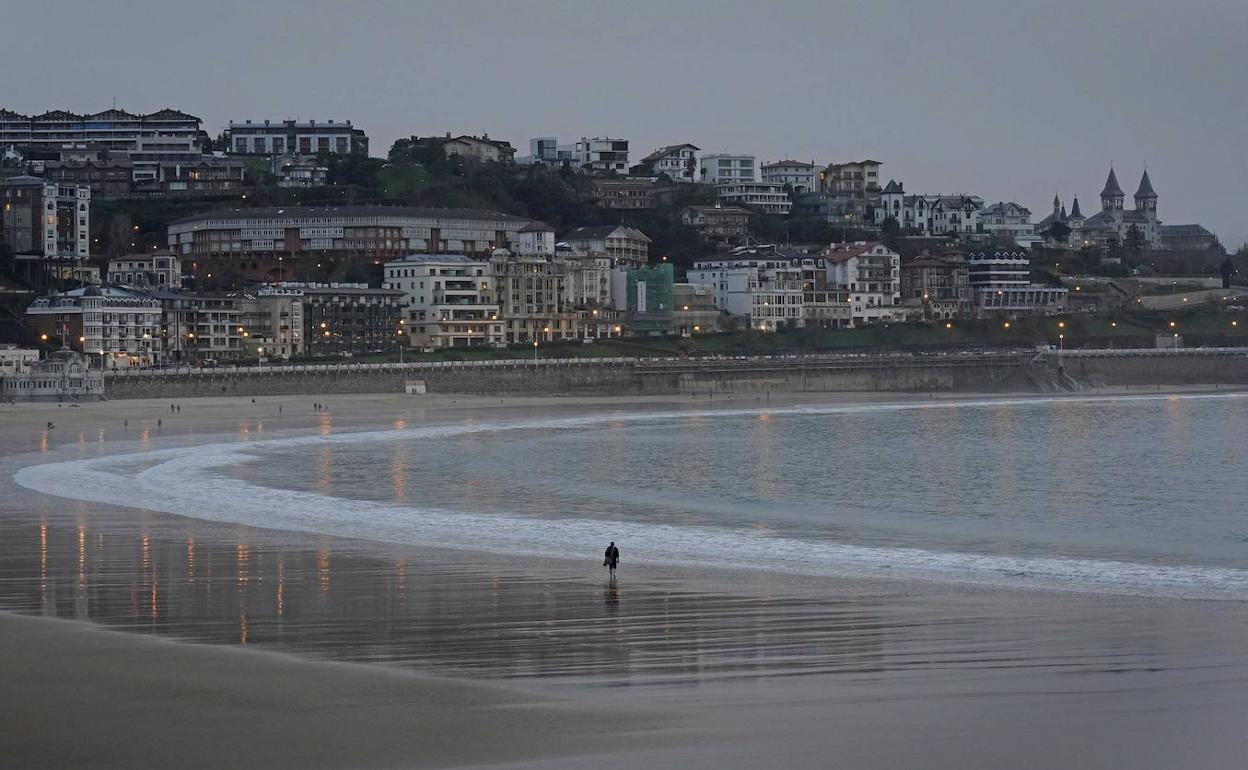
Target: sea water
(1126, 494)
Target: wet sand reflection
(373, 602)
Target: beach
(268, 647)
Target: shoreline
(670, 667)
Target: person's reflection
(612, 596)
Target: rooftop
(428, 259)
(322, 212)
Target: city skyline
(1009, 104)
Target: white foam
(188, 481)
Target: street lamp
(535, 351)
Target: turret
(1112, 196)
(1145, 198)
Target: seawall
(978, 373)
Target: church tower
(1146, 206)
(1145, 198)
(1112, 197)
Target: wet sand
(549, 660)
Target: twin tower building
(1113, 222)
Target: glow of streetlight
(1173, 324)
(948, 325)
(1006, 325)
(44, 337)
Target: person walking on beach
(611, 558)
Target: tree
(1228, 272)
(1058, 232)
(1134, 241)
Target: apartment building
(303, 137)
(449, 300)
(121, 326)
(47, 227)
(112, 129)
(626, 246)
(292, 170)
(937, 288)
(766, 292)
(849, 192)
(694, 309)
(272, 320)
(631, 193)
(602, 155)
(160, 270)
(761, 197)
(531, 293)
(154, 167)
(800, 177)
(349, 318)
(43, 218)
(723, 168)
(265, 244)
(1001, 283)
(721, 224)
(870, 274)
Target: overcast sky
(1007, 100)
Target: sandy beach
(297, 650)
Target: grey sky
(1005, 100)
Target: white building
(956, 214)
(303, 137)
(801, 177)
(534, 301)
(626, 246)
(678, 161)
(15, 360)
(63, 376)
(721, 168)
(1001, 282)
(870, 274)
(1009, 219)
(590, 254)
(449, 300)
(534, 238)
(121, 326)
(757, 196)
(602, 155)
(766, 292)
(159, 269)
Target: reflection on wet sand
(371, 604)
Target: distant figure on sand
(611, 558)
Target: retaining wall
(969, 373)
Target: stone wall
(967, 374)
